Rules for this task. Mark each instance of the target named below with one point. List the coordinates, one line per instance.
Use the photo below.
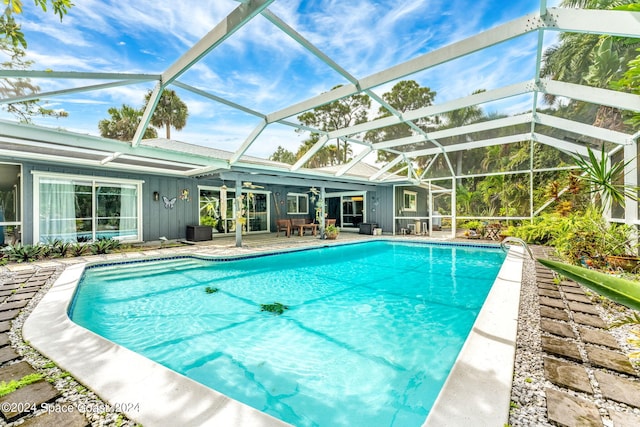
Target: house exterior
(58, 185)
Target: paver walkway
(39, 403)
(582, 359)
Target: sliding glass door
(77, 209)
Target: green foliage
(170, 111)
(331, 230)
(11, 30)
(104, 246)
(23, 253)
(11, 386)
(338, 114)
(578, 236)
(78, 249)
(283, 155)
(275, 308)
(59, 248)
(208, 220)
(607, 182)
(123, 124)
(630, 82)
(622, 291)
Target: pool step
(129, 271)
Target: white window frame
(37, 175)
(413, 201)
(305, 204)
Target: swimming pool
(341, 355)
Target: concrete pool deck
(125, 382)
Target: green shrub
(104, 246)
(578, 236)
(23, 253)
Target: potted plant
(331, 232)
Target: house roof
(528, 124)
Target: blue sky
(259, 66)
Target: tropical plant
(170, 111)
(123, 124)
(59, 248)
(104, 246)
(331, 230)
(606, 182)
(630, 82)
(622, 291)
(23, 253)
(78, 249)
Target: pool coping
(477, 391)
(156, 396)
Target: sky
(259, 66)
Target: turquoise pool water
(370, 336)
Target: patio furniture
(284, 225)
(493, 231)
(302, 225)
(329, 221)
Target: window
(297, 203)
(10, 209)
(76, 209)
(410, 199)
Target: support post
(238, 213)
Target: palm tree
(170, 111)
(123, 124)
(591, 59)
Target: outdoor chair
(283, 225)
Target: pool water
(371, 332)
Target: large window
(10, 201)
(297, 203)
(78, 209)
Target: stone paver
(624, 419)
(552, 302)
(582, 307)
(567, 410)
(547, 286)
(25, 399)
(16, 371)
(561, 347)
(549, 293)
(4, 339)
(609, 359)
(9, 314)
(557, 328)
(5, 326)
(597, 336)
(589, 320)
(553, 313)
(577, 297)
(8, 353)
(570, 288)
(619, 389)
(565, 374)
(57, 419)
